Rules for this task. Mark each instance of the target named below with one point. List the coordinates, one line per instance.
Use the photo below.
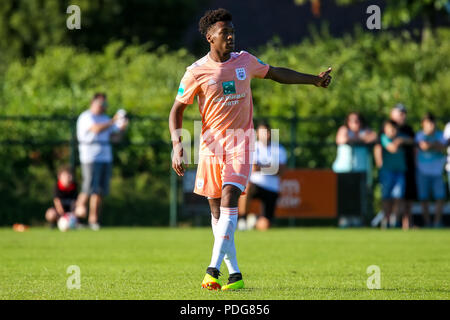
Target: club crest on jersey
(228, 87)
(200, 183)
(240, 73)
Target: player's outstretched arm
(288, 76)
(176, 123)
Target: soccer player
(221, 81)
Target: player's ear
(211, 34)
(209, 37)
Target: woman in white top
(269, 163)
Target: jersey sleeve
(258, 69)
(419, 137)
(84, 123)
(385, 141)
(440, 137)
(188, 88)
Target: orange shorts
(213, 172)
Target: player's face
(98, 106)
(263, 134)
(428, 127)
(354, 124)
(398, 116)
(65, 178)
(221, 36)
(390, 130)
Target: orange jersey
(225, 101)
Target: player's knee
(214, 205)
(230, 196)
(51, 215)
(215, 213)
(80, 211)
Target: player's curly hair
(211, 17)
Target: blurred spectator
(354, 139)
(64, 196)
(447, 143)
(94, 131)
(262, 185)
(399, 115)
(430, 164)
(392, 170)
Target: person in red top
(221, 82)
(64, 198)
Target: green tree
(27, 27)
(371, 73)
(400, 12)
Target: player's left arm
(58, 206)
(439, 145)
(288, 76)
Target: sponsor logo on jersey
(181, 89)
(240, 73)
(228, 87)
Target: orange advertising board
(305, 194)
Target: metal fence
(289, 126)
(38, 132)
(310, 142)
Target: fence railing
(309, 141)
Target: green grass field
(161, 263)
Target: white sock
(223, 235)
(214, 222)
(230, 257)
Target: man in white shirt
(269, 163)
(95, 129)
